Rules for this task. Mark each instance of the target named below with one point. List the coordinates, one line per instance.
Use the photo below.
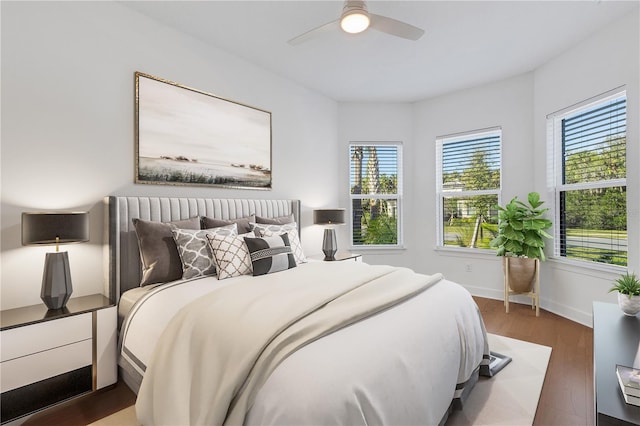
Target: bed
(304, 342)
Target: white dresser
(49, 356)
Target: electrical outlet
(468, 267)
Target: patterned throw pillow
(291, 229)
(270, 254)
(194, 250)
(231, 255)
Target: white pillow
(231, 255)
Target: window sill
(377, 249)
(602, 270)
(465, 252)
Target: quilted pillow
(158, 252)
(243, 223)
(280, 220)
(231, 255)
(291, 229)
(194, 250)
(270, 254)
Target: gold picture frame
(184, 136)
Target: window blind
(594, 143)
(591, 181)
(471, 164)
(468, 178)
(375, 176)
(374, 169)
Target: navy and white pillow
(270, 254)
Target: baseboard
(564, 311)
(573, 314)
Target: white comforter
(400, 366)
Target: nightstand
(49, 356)
(615, 341)
(341, 255)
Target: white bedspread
(399, 366)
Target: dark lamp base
(56, 280)
(329, 244)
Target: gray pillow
(158, 252)
(243, 223)
(280, 220)
(194, 250)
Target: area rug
(511, 396)
(508, 398)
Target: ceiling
(466, 43)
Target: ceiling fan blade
(328, 27)
(395, 27)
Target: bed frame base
(458, 403)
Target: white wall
(68, 130)
(373, 122)
(507, 104)
(603, 62)
(519, 105)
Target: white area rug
(509, 398)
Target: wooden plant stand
(534, 294)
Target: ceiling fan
(356, 18)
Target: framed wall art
(188, 137)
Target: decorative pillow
(231, 255)
(158, 252)
(243, 223)
(194, 250)
(280, 220)
(291, 229)
(270, 254)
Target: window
(376, 194)
(468, 169)
(589, 178)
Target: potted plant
(521, 237)
(628, 288)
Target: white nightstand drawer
(41, 365)
(21, 341)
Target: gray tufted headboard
(124, 257)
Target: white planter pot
(629, 305)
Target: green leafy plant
(627, 284)
(521, 228)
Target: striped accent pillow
(270, 254)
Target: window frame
(555, 173)
(398, 197)
(441, 193)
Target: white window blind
(376, 193)
(590, 181)
(468, 169)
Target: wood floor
(567, 394)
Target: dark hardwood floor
(567, 394)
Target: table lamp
(329, 217)
(55, 228)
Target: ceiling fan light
(355, 22)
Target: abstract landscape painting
(188, 137)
